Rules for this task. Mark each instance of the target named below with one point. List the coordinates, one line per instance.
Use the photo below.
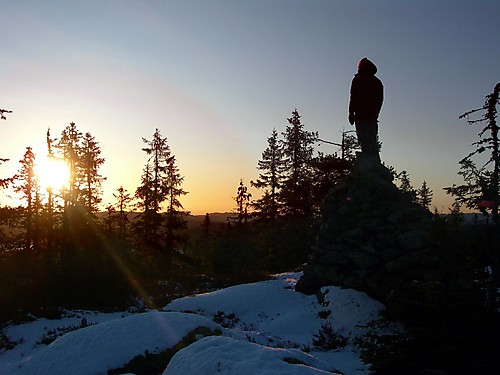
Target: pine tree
(206, 225)
(81, 154)
(175, 223)
(271, 166)
(242, 203)
(148, 223)
(2, 114)
(481, 189)
(424, 195)
(406, 187)
(328, 169)
(27, 186)
(297, 146)
(50, 198)
(123, 200)
(159, 156)
(69, 150)
(110, 219)
(173, 185)
(90, 162)
(475, 185)
(4, 182)
(161, 183)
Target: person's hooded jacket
(367, 93)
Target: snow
(101, 347)
(266, 328)
(229, 356)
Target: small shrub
(53, 334)
(293, 361)
(6, 343)
(225, 320)
(327, 339)
(323, 314)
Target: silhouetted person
(367, 95)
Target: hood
(365, 66)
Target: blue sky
(217, 76)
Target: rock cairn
(373, 238)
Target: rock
(390, 253)
(409, 261)
(363, 260)
(373, 238)
(308, 284)
(412, 214)
(415, 239)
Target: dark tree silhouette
(123, 200)
(27, 185)
(148, 223)
(481, 188)
(424, 195)
(90, 162)
(242, 203)
(270, 178)
(69, 150)
(5, 181)
(3, 112)
(406, 187)
(297, 148)
(206, 225)
(161, 182)
(81, 154)
(175, 223)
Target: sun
(53, 174)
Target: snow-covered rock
(102, 347)
(266, 328)
(224, 355)
(273, 315)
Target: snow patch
(102, 347)
(267, 328)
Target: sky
(216, 76)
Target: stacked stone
(373, 238)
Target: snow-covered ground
(259, 328)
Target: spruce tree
(206, 225)
(424, 195)
(175, 222)
(50, 206)
(4, 182)
(406, 187)
(3, 112)
(90, 163)
(148, 223)
(81, 154)
(161, 182)
(159, 154)
(297, 148)
(271, 166)
(481, 189)
(69, 150)
(27, 185)
(123, 200)
(242, 203)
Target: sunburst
(53, 174)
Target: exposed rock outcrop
(373, 238)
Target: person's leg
(371, 138)
(366, 132)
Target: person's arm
(352, 102)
